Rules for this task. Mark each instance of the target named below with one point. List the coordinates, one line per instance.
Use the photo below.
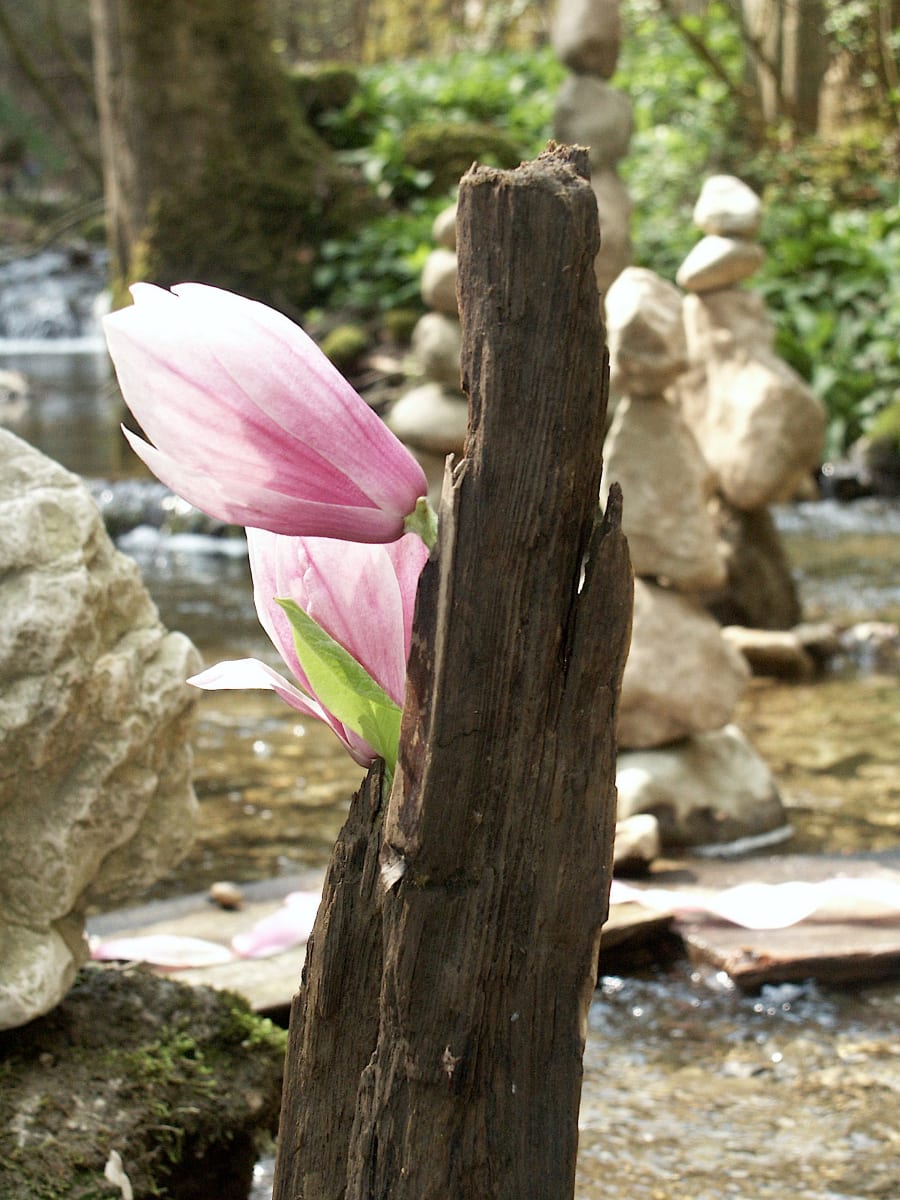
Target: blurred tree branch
(26, 63)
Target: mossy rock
(183, 1083)
(447, 150)
(344, 345)
(885, 427)
(323, 88)
(879, 451)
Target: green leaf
(344, 686)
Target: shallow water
(691, 1090)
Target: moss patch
(183, 1082)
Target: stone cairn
(759, 426)
(681, 760)
(431, 418)
(96, 799)
(710, 427)
(587, 36)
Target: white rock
(775, 652)
(614, 212)
(717, 322)
(727, 206)
(591, 113)
(443, 230)
(719, 262)
(681, 676)
(431, 418)
(762, 429)
(439, 281)
(587, 35)
(665, 485)
(645, 331)
(95, 791)
(436, 346)
(712, 787)
(637, 843)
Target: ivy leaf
(344, 686)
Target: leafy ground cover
(832, 216)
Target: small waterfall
(53, 301)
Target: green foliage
(831, 227)
(686, 123)
(832, 284)
(377, 269)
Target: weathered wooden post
(490, 861)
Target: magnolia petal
(229, 389)
(239, 501)
(307, 395)
(363, 596)
(167, 950)
(288, 926)
(251, 674)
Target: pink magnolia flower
(363, 596)
(252, 423)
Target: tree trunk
(210, 171)
(789, 54)
(496, 841)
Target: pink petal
(251, 420)
(162, 950)
(251, 674)
(238, 500)
(288, 926)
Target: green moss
(240, 190)
(182, 1081)
(399, 323)
(447, 150)
(885, 427)
(324, 87)
(344, 345)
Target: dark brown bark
(498, 830)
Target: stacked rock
(589, 112)
(681, 760)
(759, 426)
(431, 418)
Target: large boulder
(760, 426)
(665, 482)
(96, 797)
(645, 330)
(681, 676)
(712, 787)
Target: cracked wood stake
(448, 1012)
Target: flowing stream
(692, 1090)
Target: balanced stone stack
(759, 426)
(96, 799)
(431, 418)
(681, 760)
(589, 112)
